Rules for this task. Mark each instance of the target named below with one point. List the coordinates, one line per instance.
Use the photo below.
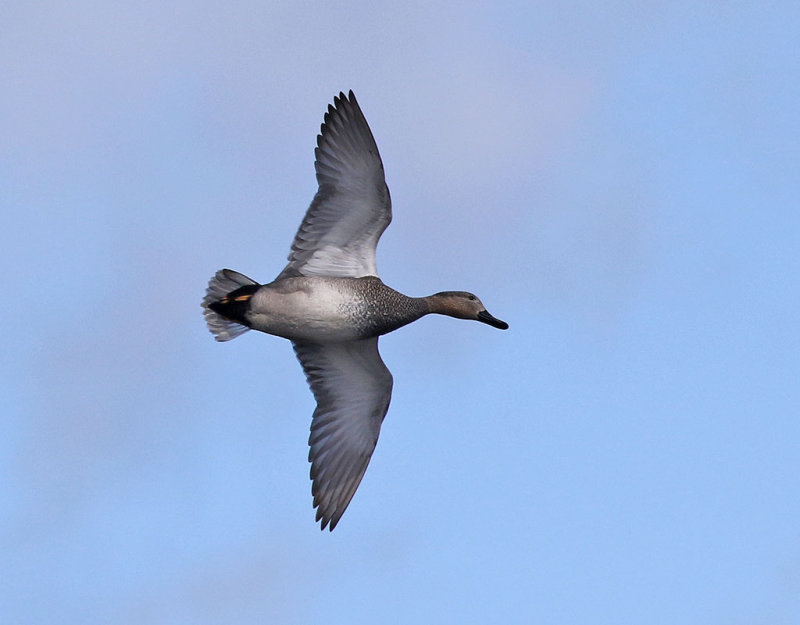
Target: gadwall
(330, 302)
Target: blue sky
(619, 182)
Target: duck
(331, 304)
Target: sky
(618, 181)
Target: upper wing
(352, 206)
(353, 388)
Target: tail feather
(223, 282)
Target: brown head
(462, 305)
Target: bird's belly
(325, 315)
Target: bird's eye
(471, 297)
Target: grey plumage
(330, 302)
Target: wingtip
(350, 98)
(325, 521)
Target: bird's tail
(224, 282)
